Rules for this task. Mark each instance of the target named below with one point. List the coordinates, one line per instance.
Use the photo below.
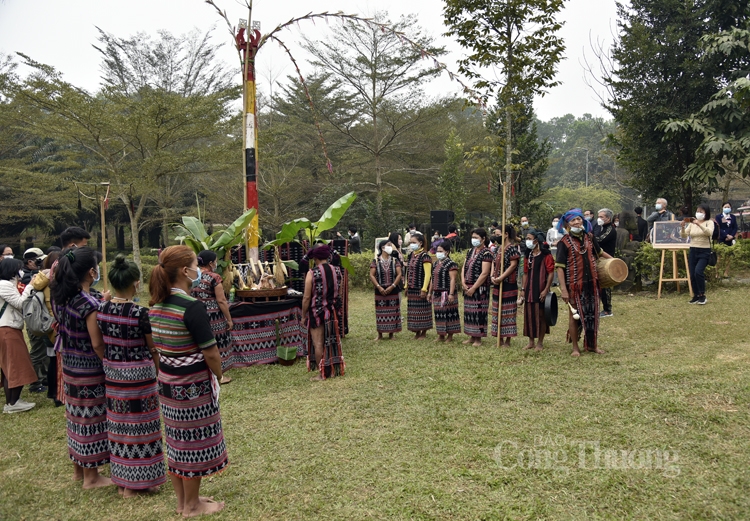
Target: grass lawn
(417, 430)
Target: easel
(675, 276)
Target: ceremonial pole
(249, 47)
(103, 204)
(502, 266)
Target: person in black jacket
(642, 225)
(606, 235)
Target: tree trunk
(508, 155)
(135, 217)
(120, 236)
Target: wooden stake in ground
(502, 266)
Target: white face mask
(600, 221)
(575, 229)
(658, 207)
(529, 244)
(554, 223)
(388, 249)
(524, 224)
(8, 256)
(476, 242)
(440, 255)
(413, 246)
(700, 215)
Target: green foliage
(451, 190)
(723, 122)
(660, 75)
(559, 199)
(193, 233)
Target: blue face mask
(476, 242)
(98, 276)
(727, 211)
(413, 246)
(197, 280)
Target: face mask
(554, 224)
(658, 207)
(699, 215)
(588, 218)
(136, 299)
(727, 211)
(388, 249)
(197, 280)
(440, 255)
(524, 224)
(8, 256)
(476, 242)
(617, 223)
(575, 229)
(98, 276)
(529, 244)
(413, 246)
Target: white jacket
(13, 315)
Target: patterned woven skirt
(220, 329)
(447, 317)
(134, 426)
(192, 421)
(475, 313)
(388, 312)
(509, 310)
(85, 409)
(418, 311)
(533, 320)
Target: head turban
(321, 252)
(569, 216)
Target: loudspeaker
(442, 216)
(441, 227)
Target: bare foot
(467, 342)
(575, 352)
(200, 498)
(423, 337)
(529, 346)
(204, 507)
(225, 380)
(99, 481)
(477, 343)
(316, 379)
(597, 351)
(77, 473)
(416, 336)
(449, 339)
(538, 347)
(378, 338)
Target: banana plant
(193, 234)
(312, 230)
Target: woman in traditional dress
(444, 295)
(475, 279)
(418, 274)
(577, 252)
(130, 367)
(189, 374)
(539, 270)
(80, 343)
(210, 291)
(16, 369)
(509, 278)
(385, 274)
(320, 311)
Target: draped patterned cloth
(418, 309)
(83, 383)
(387, 307)
(477, 305)
(133, 420)
(447, 317)
(206, 293)
(509, 306)
(577, 255)
(324, 311)
(537, 269)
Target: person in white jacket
(15, 363)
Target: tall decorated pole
(249, 48)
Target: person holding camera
(32, 264)
(699, 229)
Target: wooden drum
(611, 272)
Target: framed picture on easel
(666, 236)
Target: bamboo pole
(502, 266)
(104, 244)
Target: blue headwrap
(569, 216)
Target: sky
(61, 34)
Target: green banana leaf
(333, 214)
(232, 235)
(346, 264)
(291, 264)
(195, 228)
(288, 233)
(194, 245)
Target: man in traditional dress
(577, 252)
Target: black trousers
(605, 295)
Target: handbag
(713, 259)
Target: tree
(659, 76)
(518, 37)
(382, 76)
(149, 141)
(723, 122)
(451, 188)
